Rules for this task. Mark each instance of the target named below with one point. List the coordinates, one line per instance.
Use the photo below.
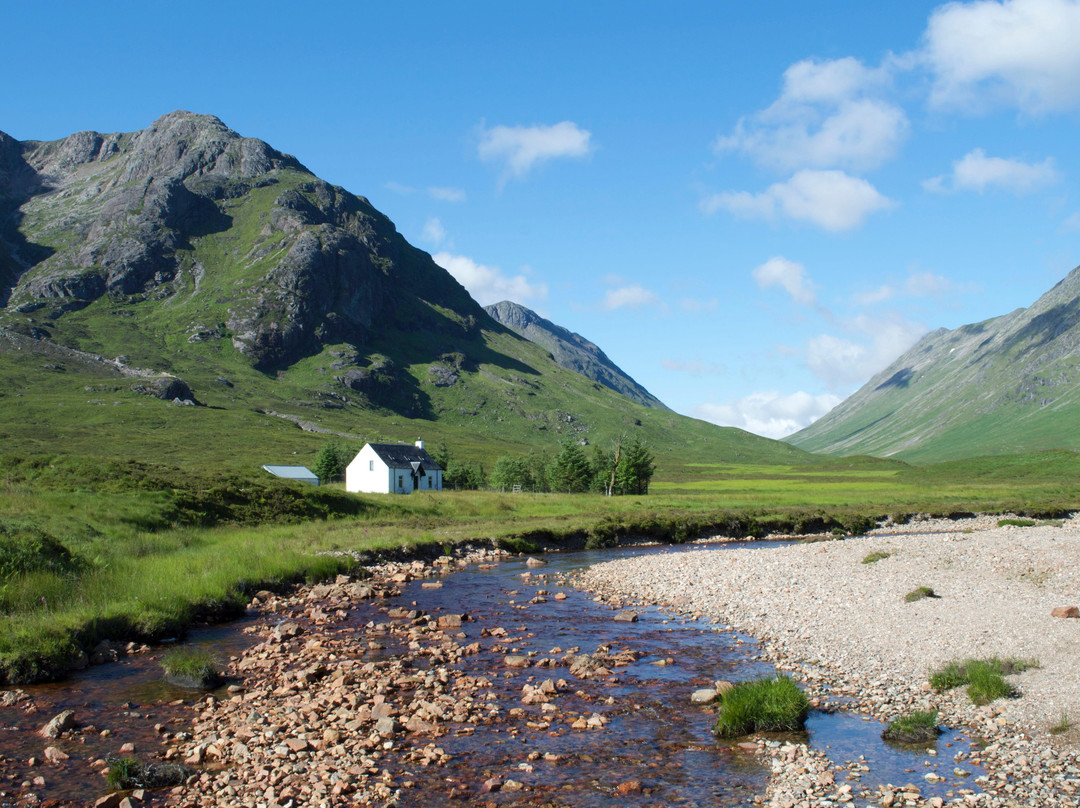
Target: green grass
(1062, 726)
(916, 727)
(191, 667)
(128, 772)
(762, 705)
(877, 555)
(985, 678)
(1016, 522)
(919, 593)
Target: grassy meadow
(126, 550)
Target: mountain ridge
(1007, 384)
(571, 350)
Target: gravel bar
(844, 628)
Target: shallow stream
(654, 735)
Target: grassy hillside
(1006, 385)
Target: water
(653, 735)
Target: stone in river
(60, 724)
(626, 617)
(705, 695)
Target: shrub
(919, 593)
(762, 705)
(191, 667)
(917, 727)
(877, 555)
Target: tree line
(626, 469)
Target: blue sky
(751, 207)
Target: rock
(534, 562)
(1065, 611)
(626, 617)
(109, 801)
(515, 661)
(705, 695)
(55, 754)
(628, 787)
(59, 724)
(452, 620)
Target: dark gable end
(403, 456)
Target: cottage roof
(293, 473)
(403, 456)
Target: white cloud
(827, 116)
(841, 362)
(788, 275)
(832, 200)
(488, 285)
(444, 194)
(769, 413)
(520, 148)
(1018, 52)
(634, 296)
(977, 172)
(399, 188)
(434, 232)
(927, 284)
(879, 295)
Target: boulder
(59, 724)
(626, 617)
(705, 695)
(1065, 611)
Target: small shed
(393, 468)
(301, 473)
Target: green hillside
(184, 263)
(1007, 385)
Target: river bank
(844, 628)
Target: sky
(752, 208)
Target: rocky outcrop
(188, 211)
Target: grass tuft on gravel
(1016, 523)
(1062, 726)
(916, 727)
(877, 555)
(762, 705)
(985, 678)
(919, 593)
(129, 772)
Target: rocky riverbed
(841, 624)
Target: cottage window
(371, 465)
(400, 479)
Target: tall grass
(762, 705)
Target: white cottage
(393, 468)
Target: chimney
(419, 444)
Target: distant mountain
(1009, 384)
(186, 264)
(571, 350)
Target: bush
(331, 461)
(917, 727)
(877, 555)
(762, 705)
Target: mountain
(186, 294)
(571, 350)
(1008, 384)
